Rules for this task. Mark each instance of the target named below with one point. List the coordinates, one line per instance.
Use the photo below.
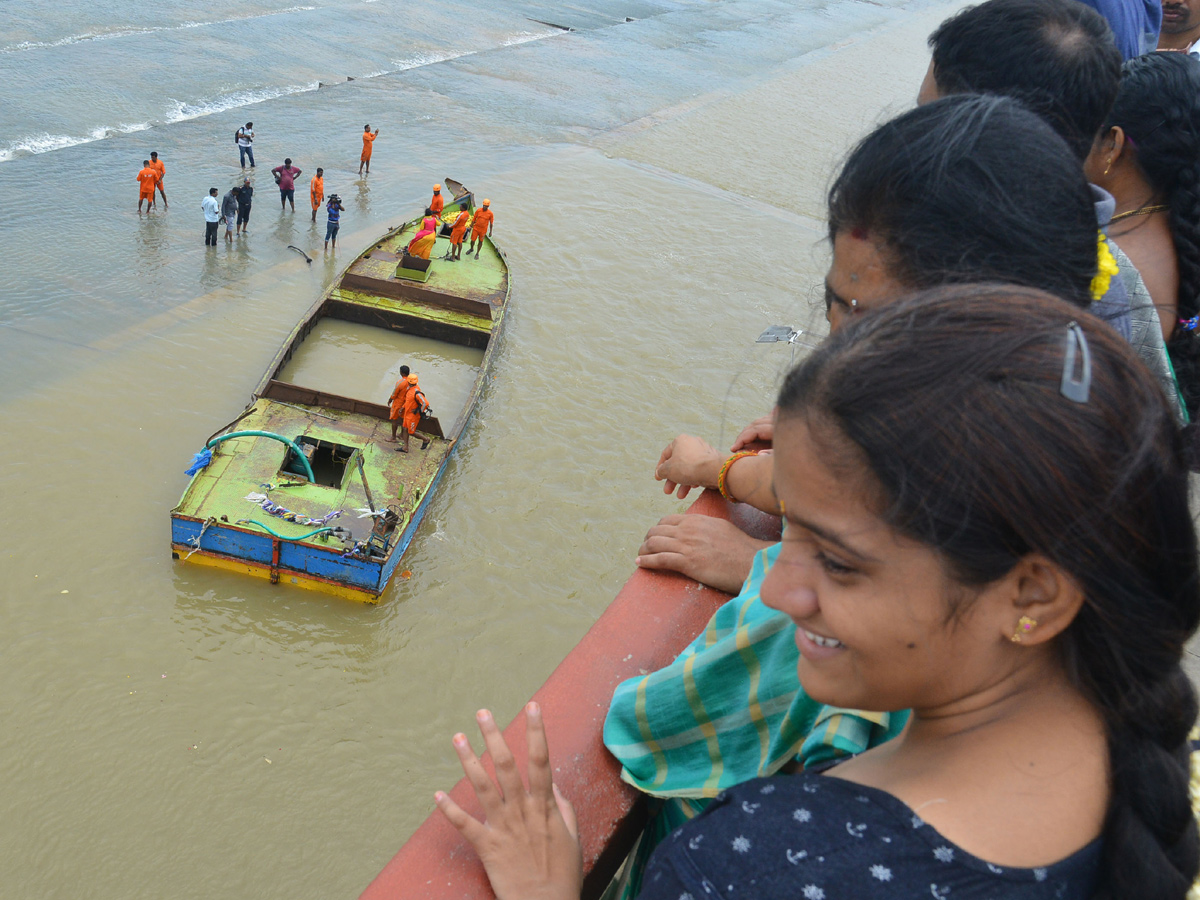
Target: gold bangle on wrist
(724, 473)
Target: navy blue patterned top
(812, 837)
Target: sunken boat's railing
(650, 622)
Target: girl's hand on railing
(687, 462)
(529, 843)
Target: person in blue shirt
(333, 209)
(1135, 23)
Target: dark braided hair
(1158, 107)
(953, 400)
(967, 189)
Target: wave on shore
(45, 142)
(133, 31)
(429, 59)
(183, 110)
(180, 111)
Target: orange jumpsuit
(368, 142)
(404, 404)
(460, 228)
(412, 412)
(399, 398)
(437, 204)
(148, 179)
(157, 166)
(483, 218)
(316, 191)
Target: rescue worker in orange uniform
(405, 409)
(368, 146)
(157, 165)
(484, 222)
(457, 234)
(438, 203)
(148, 179)
(316, 191)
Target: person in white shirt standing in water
(245, 140)
(212, 217)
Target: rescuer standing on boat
(407, 405)
(457, 233)
(484, 220)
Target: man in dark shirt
(244, 198)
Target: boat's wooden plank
(294, 393)
(413, 309)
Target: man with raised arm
(368, 145)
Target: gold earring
(1108, 166)
(1024, 625)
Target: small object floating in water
(307, 258)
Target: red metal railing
(648, 624)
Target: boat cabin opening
(328, 460)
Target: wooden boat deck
(240, 465)
(475, 287)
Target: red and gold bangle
(724, 473)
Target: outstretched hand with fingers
(529, 840)
(685, 463)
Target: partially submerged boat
(304, 487)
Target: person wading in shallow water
(333, 210)
(245, 140)
(285, 177)
(368, 146)
(147, 178)
(212, 217)
(316, 192)
(157, 165)
(245, 198)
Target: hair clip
(1190, 324)
(1076, 389)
